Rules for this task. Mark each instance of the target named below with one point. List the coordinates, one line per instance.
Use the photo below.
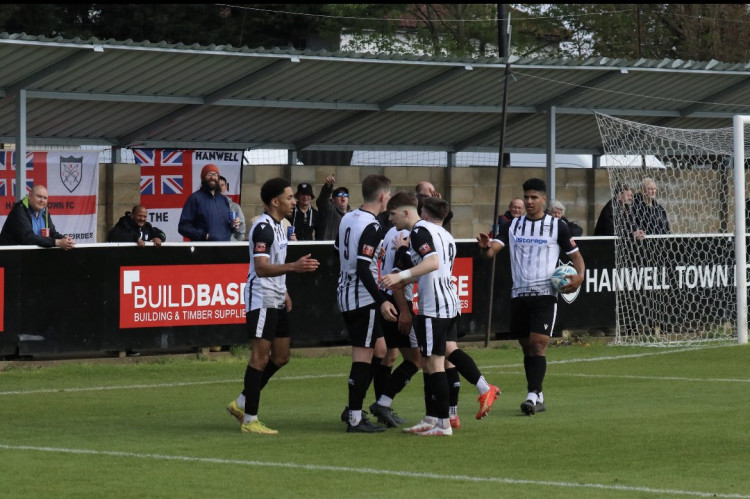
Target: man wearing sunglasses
(332, 204)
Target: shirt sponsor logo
(424, 249)
(368, 250)
(531, 240)
(260, 248)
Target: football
(558, 276)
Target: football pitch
(621, 422)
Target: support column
(20, 155)
(291, 160)
(448, 180)
(551, 153)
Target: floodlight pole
(495, 225)
(740, 240)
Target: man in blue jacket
(29, 222)
(205, 216)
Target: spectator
(239, 233)
(133, 228)
(516, 208)
(331, 211)
(205, 216)
(29, 222)
(649, 217)
(616, 214)
(304, 217)
(557, 210)
(426, 189)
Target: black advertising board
(104, 298)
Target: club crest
(71, 172)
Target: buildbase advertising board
(182, 295)
(169, 176)
(71, 179)
(463, 280)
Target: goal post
(680, 257)
(740, 241)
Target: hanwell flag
(71, 178)
(169, 176)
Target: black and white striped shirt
(267, 240)
(437, 295)
(388, 263)
(358, 238)
(535, 252)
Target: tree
(679, 31)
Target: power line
(412, 19)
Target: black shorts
(267, 323)
(394, 338)
(432, 334)
(532, 314)
(363, 326)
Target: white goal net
(674, 275)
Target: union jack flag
(164, 172)
(8, 173)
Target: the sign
(71, 179)
(182, 295)
(463, 280)
(170, 176)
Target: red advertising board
(463, 279)
(182, 295)
(2, 299)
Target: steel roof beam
(382, 105)
(207, 100)
(46, 71)
(576, 91)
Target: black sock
(439, 389)
(252, 390)
(537, 370)
(268, 372)
(429, 406)
(454, 386)
(360, 377)
(465, 365)
(380, 379)
(527, 370)
(400, 378)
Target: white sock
(540, 398)
(241, 401)
(482, 385)
(385, 401)
(355, 417)
(249, 418)
(430, 420)
(444, 423)
(453, 411)
(532, 396)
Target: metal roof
(125, 93)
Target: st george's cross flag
(71, 179)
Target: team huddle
(380, 261)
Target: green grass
(622, 422)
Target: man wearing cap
(206, 214)
(304, 217)
(331, 211)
